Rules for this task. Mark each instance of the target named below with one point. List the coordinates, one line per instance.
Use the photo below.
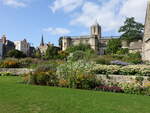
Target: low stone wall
(123, 79)
(16, 71)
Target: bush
(77, 74)
(10, 64)
(135, 89)
(42, 78)
(6, 74)
(46, 67)
(109, 88)
(16, 54)
(63, 83)
(78, 55)
(140, 70)
(102, 60)
(123, 51)
(80, 47)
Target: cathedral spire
(42, 41)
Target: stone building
(146, 39)
(92, 40)
(7, 45)
(23, 46)
(95, 40)
(1, 49)
(43, 46)
(136, 46)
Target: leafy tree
(52, 52)
(16, 54)
(38, 54)
(113, 46)
(131, 30)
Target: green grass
(20, 98)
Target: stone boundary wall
(123, 79)
(16, 71)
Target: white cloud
(66, 5)
(57, 31)
(109, 13)
(105, 14)
(14, 3)
(134, 8)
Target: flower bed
(142, 70)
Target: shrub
(42, 78)
(63, 54)
(102, 60)
(16, 54)
(135, 89)
(83, 81)
(123, 51)
(6, 74)
(80, 47)
(140, 70)
(77, 55)
(46, 67)
(109, 88)
(63, 83)
(77, 74)
(10, 64)
(139, 80)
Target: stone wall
(16, 71)
(123, 79)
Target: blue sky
(54, 18)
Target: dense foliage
(80, 47)
(141, 70)
(16, 54)
(131, 30)
(113, 46)
(52, 52)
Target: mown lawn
(20, 98)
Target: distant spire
(42, 41)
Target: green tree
(38, 54)
(52, 52)
(16, 54)
(113, 46)
(131, 30)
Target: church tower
(96, 30)
(4, 39)
(42, 41)
(146, 38)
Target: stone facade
(43, 46)
(1, 50)
(122, 79)
(92, 40)
(97, 42)
(23, 46)
(146, 39)
(135, 46)
(7, 45)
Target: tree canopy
(52, 52)
(16, 54)
(113, 46)
(131, 30)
